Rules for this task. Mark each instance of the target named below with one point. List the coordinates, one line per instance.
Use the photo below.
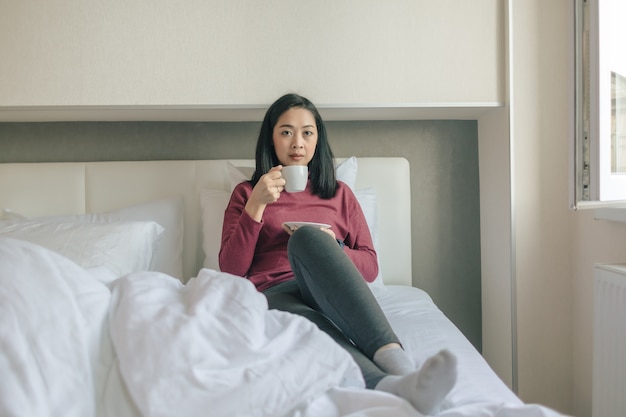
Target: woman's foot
(425, 388)
(394, 360)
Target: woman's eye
(286, 133)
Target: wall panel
(218, 52)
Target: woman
(320, 272)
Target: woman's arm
(243, 221)
(359, 245)
(239, 234)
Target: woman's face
(295, 137)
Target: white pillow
(213, 203)
(120, 247)
(168, 256)
(8, 214)
(238, 174)
(369, 205)
(346, 171)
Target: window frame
(594, 182)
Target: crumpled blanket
(212, 344)
(148, 345)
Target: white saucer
(295, 225)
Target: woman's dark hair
(321, 167)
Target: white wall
(593, 241)
(525, 229)
(540, 137)
(199, 52)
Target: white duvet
(146, 345)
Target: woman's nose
(297, 142)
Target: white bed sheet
(424, 330)
(147, 345)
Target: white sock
(425, 388)
(394, 361)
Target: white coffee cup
(296, 177)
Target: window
(618, 123)
(600, 150)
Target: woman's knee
(308, 239)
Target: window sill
(614, 214)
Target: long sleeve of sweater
(258, 250)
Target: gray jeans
(330, 291)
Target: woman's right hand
(265, 192)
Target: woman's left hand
(291, 229)
(329, 231)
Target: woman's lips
(296, 157)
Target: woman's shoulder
(242, 190)
(243, 186)
(342, 187)
(344, 192)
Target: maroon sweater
(258, 250)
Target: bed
(112, 303)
